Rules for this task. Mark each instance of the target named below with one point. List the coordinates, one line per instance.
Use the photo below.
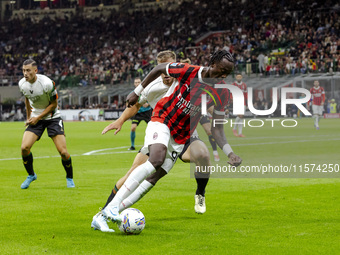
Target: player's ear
(36, 70)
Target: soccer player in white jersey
(42, 113)
(152, 94)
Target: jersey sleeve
(222, 104)
(220, 100)
(20, 85)
(51, 90)
(176, 70)
(142, 98)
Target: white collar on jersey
(200, 79)
(200, 74)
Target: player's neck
(205, 72)
(33, 80)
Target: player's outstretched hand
(234, 160)
(114, 125)
(131, 99)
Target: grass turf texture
(244, 216)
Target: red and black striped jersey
(180, 108)
(318, 95)
(242, 86)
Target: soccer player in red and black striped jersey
(239, 121)
(175, 117)
(318, 100)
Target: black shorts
(54, 127)
(204, 119)
(187, 144)
(146, 116)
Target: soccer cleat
(70, 183)
(99, 222)
(112, 213)
(317, 128)
(241, 135)
(216, 156)
(235, 132)
(28, 181)
(200, 204)
(132, 148)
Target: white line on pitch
(120, 152)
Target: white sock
(236, 122)
(140, 192)
(315, 120)
(240, 126)
(132, 182)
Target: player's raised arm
(117, 124)
(132, 98)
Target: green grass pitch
(244, 215)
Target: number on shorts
(174, 155)
(61, 125)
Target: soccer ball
(133, 221)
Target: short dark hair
(219, 55)
(30, 62)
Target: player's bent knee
(25, 149)
(64, 154)
(201, 155)
(157, 162)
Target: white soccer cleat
(200, 204)
(112, 213)
(99, 222)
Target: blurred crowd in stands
(267, 38)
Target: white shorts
(317, 109)
(157, 132)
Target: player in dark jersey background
(144, 113)
(175, 117)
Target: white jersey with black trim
(154, 92)
(39, 95)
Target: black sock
(112, 195)
(68, 167)
(202, 181)
(212, 142)
(28, 163)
